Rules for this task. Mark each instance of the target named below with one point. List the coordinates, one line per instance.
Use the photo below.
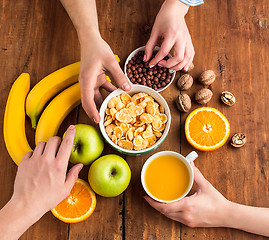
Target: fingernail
(95, 120)
(71, 127)
(80, 166)
(151, 66)
(126, 86)
(192, 163)
(186, 69)
(160, 65)
(144, 58)
(172, 71)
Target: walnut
(185, 82)
(189, 69)
(227, 98)
(203, 96)
(183, 102)
(207, 77)
(238, 140)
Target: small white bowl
(133, 53)
(135, 89)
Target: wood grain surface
(230, 37)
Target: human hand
(41, 182)
(206, 208)
(97, 58)
(170, 26)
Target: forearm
(15, 219)
(249, 219)
(83, 15)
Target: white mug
(190, 157)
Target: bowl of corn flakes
(135, 122)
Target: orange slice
(207, 129)
(78, 206)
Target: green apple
(109, 175)
(88, 145)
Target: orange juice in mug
(167, 176)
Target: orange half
(207, 129)
(78, 206)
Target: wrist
(16, 218)
(230, 215)
(87, 34)
(20, 208)
(181, 7)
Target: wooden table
(230, 37)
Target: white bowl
(133, 53)
(135, 89)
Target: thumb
(199, 178)
(118, 75)
(72, 176)
(152, 42)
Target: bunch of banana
(14, 119)
(61, 82)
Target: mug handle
(191, 156)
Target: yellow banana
(53, 115)
(14, 119)
(48, 87)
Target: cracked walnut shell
(227, 98)
(238, 140)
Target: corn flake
(157, 134)
(138, 140)
(114, 139)
(125, 98)
(150, 108)
(163, 117)
(113, 102)
(137, 96)
(110, 129)
(139, 130)
(124, 115)
(118, 132)
(108, 121)
(125, 144)
(157, 122)
(146, 118)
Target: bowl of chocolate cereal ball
(135, 122)
(138, 72)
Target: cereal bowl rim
(133, 53)
(135, 89)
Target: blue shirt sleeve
(193, 2)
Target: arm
(41, 184)
(249, 219)
(96, 56)
(208, 208)
(170, 26)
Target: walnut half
(227, 98)
(238, 140)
